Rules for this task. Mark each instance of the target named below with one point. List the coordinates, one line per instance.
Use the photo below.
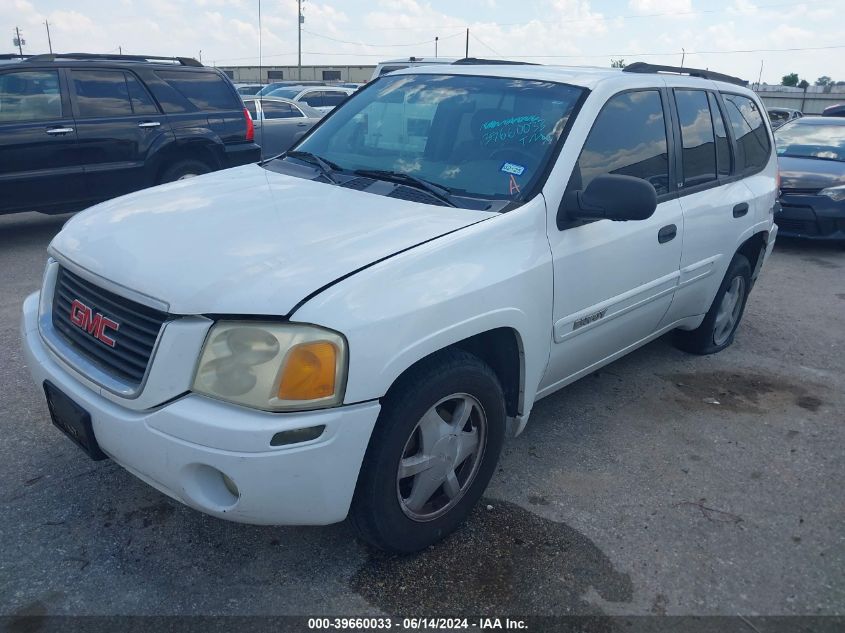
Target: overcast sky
(571, 32)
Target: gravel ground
(663, 484)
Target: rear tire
(183, 169)
(719, 327)
(420, 479)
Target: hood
(810, 173)
(245, 240)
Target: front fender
(493, 274)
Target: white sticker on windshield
(512, 168)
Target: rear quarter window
(204, 90)
(752, 137)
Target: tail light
(250, 128)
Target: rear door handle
(667, 233)
(741, 209)
(149, 124)
(59, 130)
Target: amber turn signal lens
(309, 372)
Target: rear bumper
(183, 448)
(811, 216)
(241, 154)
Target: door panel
(714, 216)
(117, 124)
(40, 168)
(614, 281)
(613, 284)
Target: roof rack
(12, 56)
(466, 61)
(184, 61)
(643, 67)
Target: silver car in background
(279, 122)
(322, 98)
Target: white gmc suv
(353, 327)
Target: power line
(483, 43)
(334, 39)
(600, 17)
(576, 56)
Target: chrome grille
(134, 339)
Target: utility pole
(299, 40)
(119, 50)
(200, 56)
(760, 76)
(435, 45)
(683, 55)
(49, 41)
(466, 52)
(18, 41)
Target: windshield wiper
(326, 168)
(441, 193)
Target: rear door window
(752, 137)
(276, 110)
(313, 98)
(101, 93)
(205, 90)
(698, 142)
(31, 95)
(142, 102)
(629, 138)
(333, 98)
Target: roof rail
(643, 67)
(12, 56)
(466, 61)
(184, 61)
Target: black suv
(77, 129)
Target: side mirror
(609, 197)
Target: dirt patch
(155, 514)
(744, 392)
(504, 560)
(822, 263)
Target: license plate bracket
(72, 420)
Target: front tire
(719, 327)
(432, 453)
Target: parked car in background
(834, 110)
(779, 116)
(248, 89)
(354, 327)
(268, 88)
(77, 129)
(811, 155)
(279, 122)
(392, 65)
(322, 98)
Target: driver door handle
(149, 124)
(59, 130)
(667, 233)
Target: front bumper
(183, 447)
(811, 216)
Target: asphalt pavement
(663, 484)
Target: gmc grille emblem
(92, 322)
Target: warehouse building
(267, 74)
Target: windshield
(812, 141)
(474, 136)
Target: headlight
(273, 366)
(834, 193)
